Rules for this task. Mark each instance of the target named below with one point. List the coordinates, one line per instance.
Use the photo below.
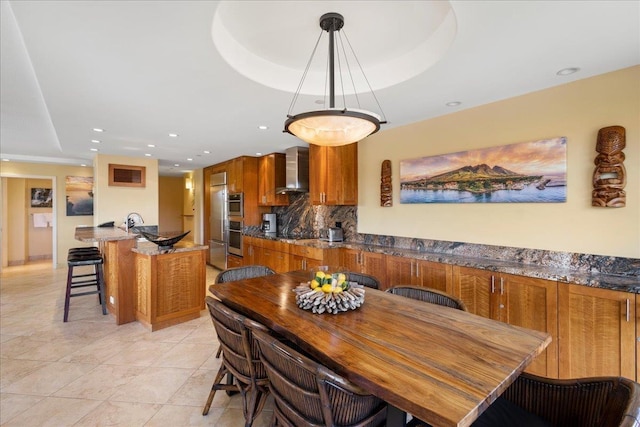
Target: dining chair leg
(217, 385)
(254, 402)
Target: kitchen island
(128, 290)
(170, 283)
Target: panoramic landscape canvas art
(79, 194)
(527, 172)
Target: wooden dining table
(441, 365)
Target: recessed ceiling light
(93, 149)
(262, 127)
(82, 164)
(207, 152)
(258, 154)
(190, 159)
(151, 145)
(176, 164)
(96, 141)
(567, 71)
(98, 130)
(173, 135)
(5, 160)
(319, 101)
(453, 103)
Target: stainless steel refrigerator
(218, 221)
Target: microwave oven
(235, 203)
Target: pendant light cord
(304, 75)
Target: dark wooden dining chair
(308, 394)
(240, 273)
(240, 358)
(364, 280)
(431, 295)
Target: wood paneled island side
(119, 269)
(170, 284)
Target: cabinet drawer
(306, 251)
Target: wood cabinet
(370, 263)
(637, 337)
(235, 175)
(521, 301)
(333, 175)
(248, 250)
(234, 261)
(407, 271)
(271, 175)
(597, 331)
(170, 288)
(304, 257)
(271, 253)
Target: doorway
(28, 232)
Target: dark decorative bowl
(163, 242)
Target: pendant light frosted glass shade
(333, 127)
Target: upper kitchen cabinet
(272, 175)
(333, 175)
(235, 175)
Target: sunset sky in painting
(545, 157)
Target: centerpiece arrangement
(330, 291)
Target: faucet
(133, 219)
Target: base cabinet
(521, 301)
(407, 271)
(597, 331)
(170, 288)
(370, 263)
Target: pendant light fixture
(333, 126)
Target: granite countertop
(598, 280)
(148, 248)
(102, 234)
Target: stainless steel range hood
(297, 171)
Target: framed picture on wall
(79, 195)
(41, 198)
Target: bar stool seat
(82, 257)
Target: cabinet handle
(411, 268)
(304, 264)
(493, 283)
(627, 309)
(417, 270)
(501, 286)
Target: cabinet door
(596, 332)
(248, 251)
(342, 175)
(399, 271)
(317, 173)
(333, 175)
(235, 174)
(476, 288)
(271, 176)
(533, 304)
(434, 275)
(637, 337)
(350, 259)
(373, 264)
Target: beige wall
(576, 110)
(114, 203)
(65, 226)
(171, 191)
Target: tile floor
(90, 372)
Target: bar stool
(82, 257)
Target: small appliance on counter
(331, 234)
(269, 224)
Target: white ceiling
(143, 69)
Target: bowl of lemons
(329, 291)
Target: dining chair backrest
(240, 358)
(431, 295)
(306, 393)
(245, 272)
(364, 280)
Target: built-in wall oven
(235, 205)
(235, 237)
